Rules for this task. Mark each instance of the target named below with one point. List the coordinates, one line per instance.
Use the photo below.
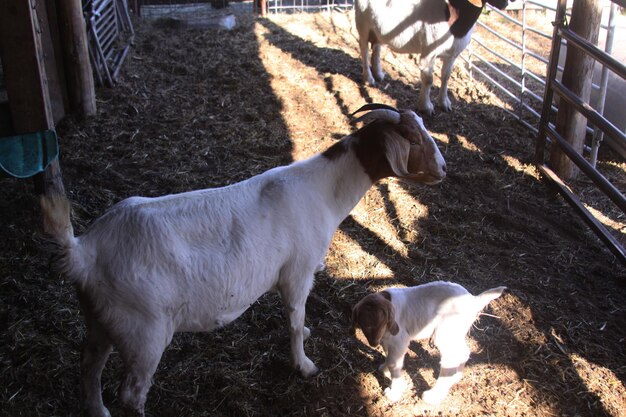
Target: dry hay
(199, 109)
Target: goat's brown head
(410, 151)
(375, 315)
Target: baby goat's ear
(355, 314)
(392, 325)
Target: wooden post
(79, 74)
(577, 76)
(26, 80)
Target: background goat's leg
(426, 71)
(377, 70)
(446, 71)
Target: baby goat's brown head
(375, 315)
(410, 152)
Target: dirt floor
(201, 108)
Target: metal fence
(554, 88)
(291, 6)
(522, 86)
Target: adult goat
(196, 261)
(430, 28)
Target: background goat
(441, 311)
(196, 261)
(430, 28)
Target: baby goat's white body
(420, 27)
(441, 311)
(196, 261)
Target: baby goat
(430, 28)
(441, 311)
(196, 261)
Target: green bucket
(23, 156)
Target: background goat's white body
(196, 261)
(414, 26)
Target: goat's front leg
(377, 70)
(364, 45)
(426, 71)
(392, 368)
(294, 297)
(446, 71)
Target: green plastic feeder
(23, 156)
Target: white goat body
(441, 311)
(430, 28)
(196, 261)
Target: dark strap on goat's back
(462, 15)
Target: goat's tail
(486, 297)
(57, 224)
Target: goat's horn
(374, 106)
(380, 114)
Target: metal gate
(548, 135)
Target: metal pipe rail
(547, 131)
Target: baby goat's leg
(393, 365)
(141, 353)
(454, 355)
(93, 358)
(294, 297)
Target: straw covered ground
(200, 108)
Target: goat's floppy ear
(355, 314)
(392, 325)
(397, 153)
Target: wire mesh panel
(290, 6)
(510, 50)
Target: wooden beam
(79, 74)
(24, 71)
(26, 80)
(577, 77)
(46, 23)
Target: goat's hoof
(426, 108)
(445, 105)
(379, 76)
(393, 395)
(99, 412)
(308, 368)
(433, 397)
